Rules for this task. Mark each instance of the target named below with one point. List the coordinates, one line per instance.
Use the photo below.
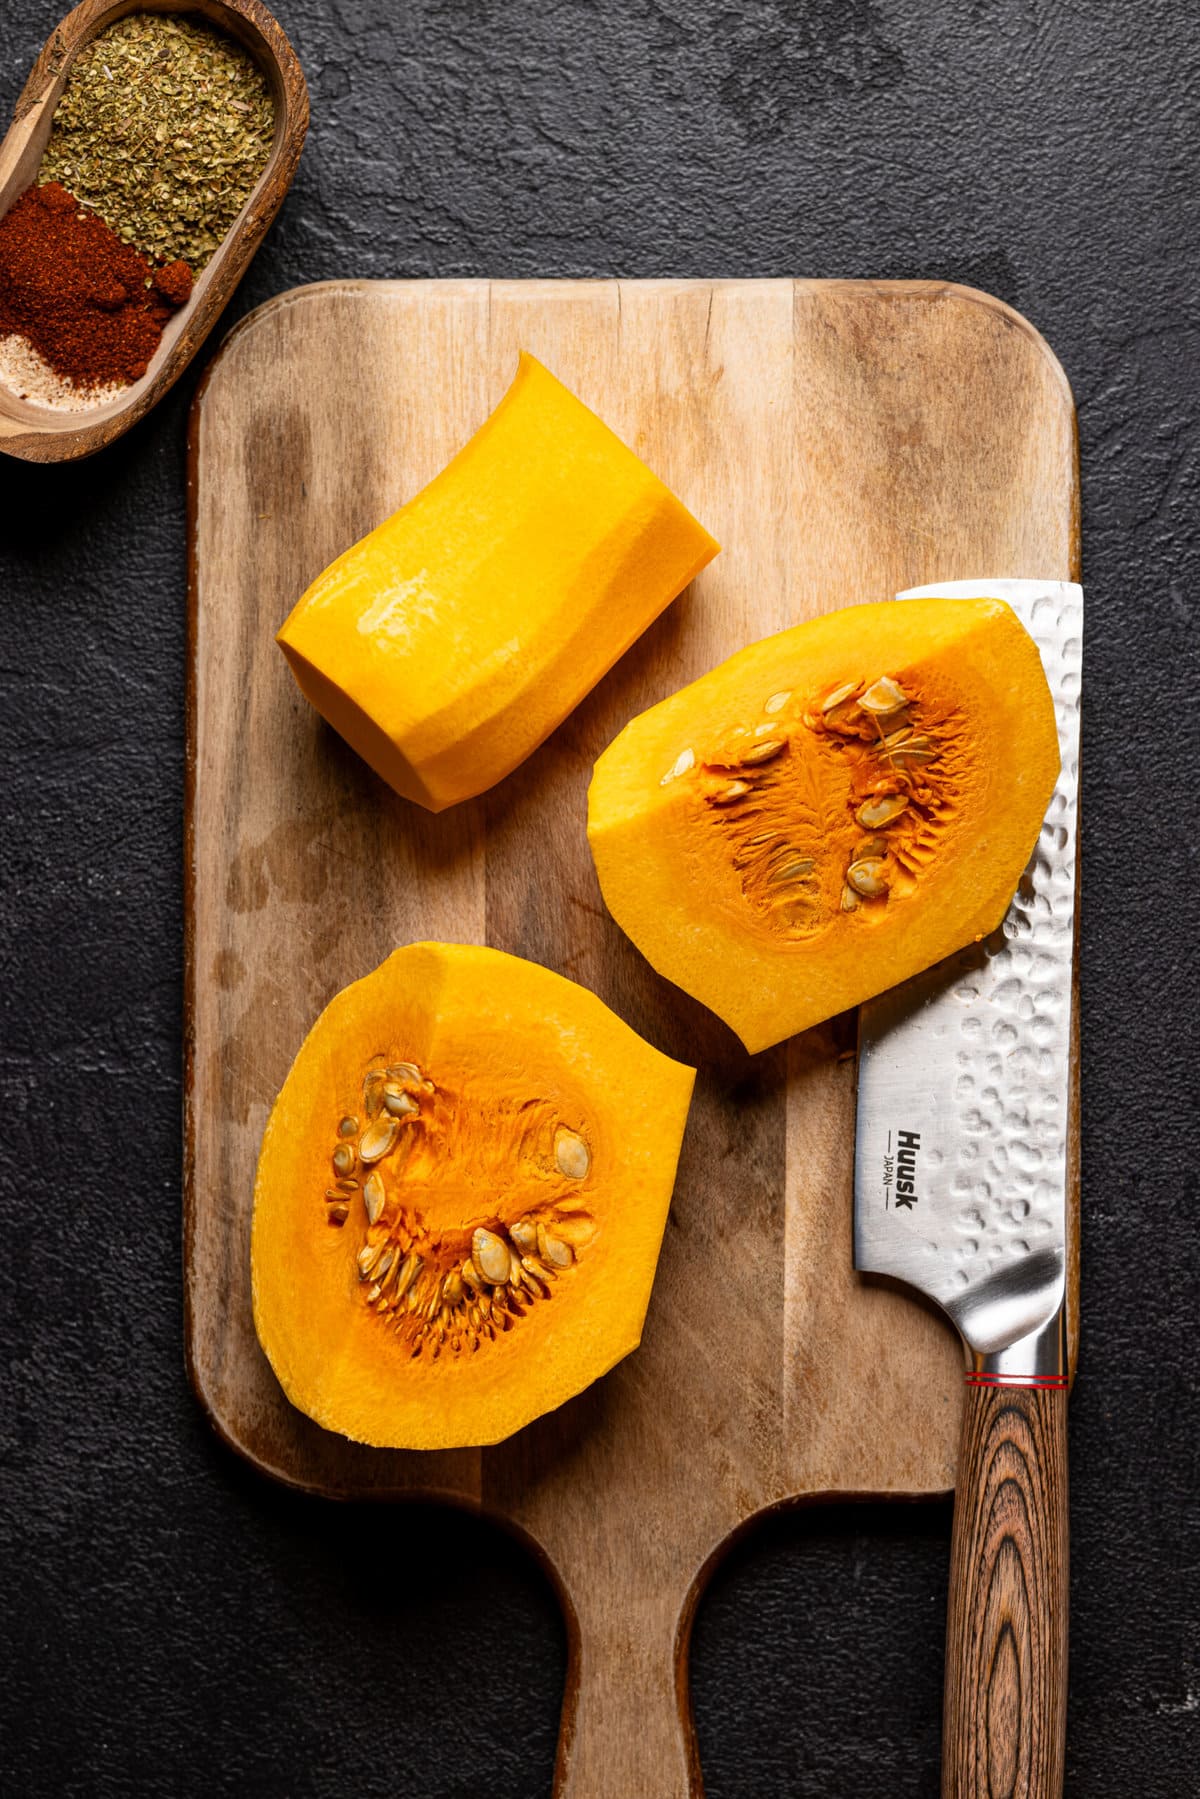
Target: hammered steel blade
(960, 1178)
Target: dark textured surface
(171, 1624)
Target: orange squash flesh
(829, 812)
(449, 642)
(460, 1109)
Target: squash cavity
(460, 1199)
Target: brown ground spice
(174, 283)
(89, 304)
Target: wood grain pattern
(842, 440)
(1005, 1719)
(38, 434)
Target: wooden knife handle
(1004, 1724)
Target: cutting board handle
(627, 1721)
(1004, 1724)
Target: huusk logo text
(907, 1145)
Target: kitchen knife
(960, 1190)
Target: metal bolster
(1042, 1355)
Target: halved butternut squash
(460, 1199)
(830, 811)
(447, 644)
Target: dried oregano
(163, 128)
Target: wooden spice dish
(39, 433)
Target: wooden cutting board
(843, 440)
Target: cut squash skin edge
(447, 644)
(829, 812)
(461, 1196)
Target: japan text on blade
(960, 1179)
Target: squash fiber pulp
(460, 1200)
(831, 811)
(447, 644)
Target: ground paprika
(90, 305)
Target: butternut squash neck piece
(829, 812)
(460, 1200)
(447, 644)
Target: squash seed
(398, 1103)
(377, 1139)
(882, 811)
(850, 899)
(838, 695)
(367, 1257)
(452, 1288)
(762, 752)
(793, 870)
(344, 1159)
(906, 742)
(409, 1270)
(778, 701)
(552, 1250)
(348, 1127)
(727, 795)
(524, 1235)
(490, 1255)
(404, 1071)
(686, 759)
(868, 877)
(884, 696)
(338, 1214)
(572, 1154)
(374, 1196)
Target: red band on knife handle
(1017, 1380)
